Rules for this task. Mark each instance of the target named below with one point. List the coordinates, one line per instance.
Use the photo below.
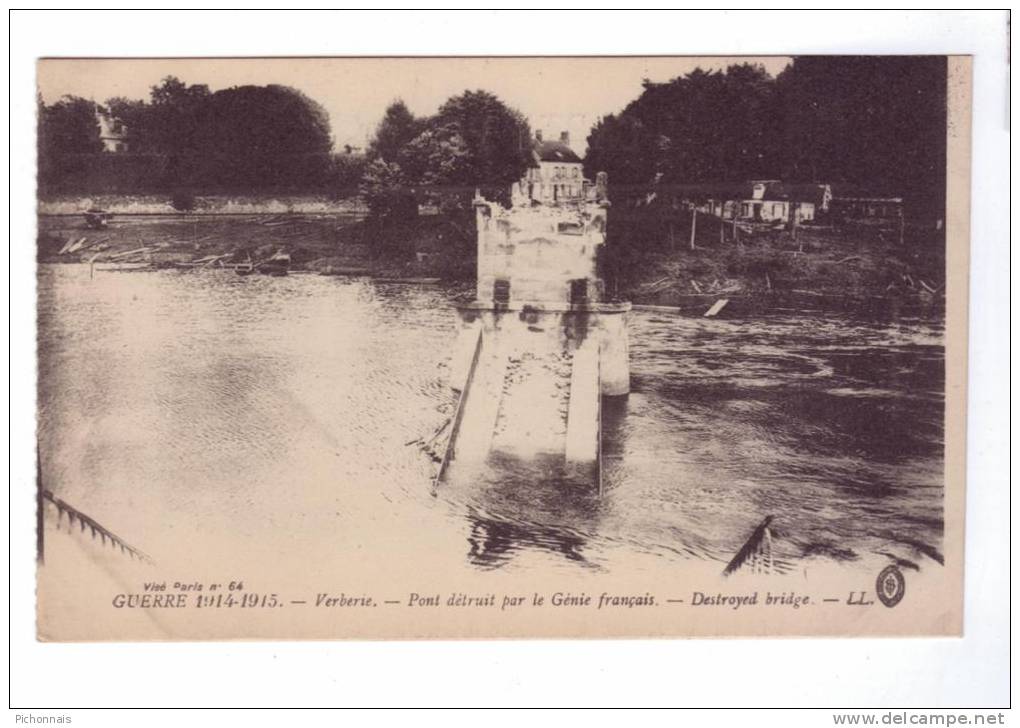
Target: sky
(555, 94)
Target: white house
(555, 174)
(112, 131)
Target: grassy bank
(210, 204)
(763, 269)
(775, 266)
(440, 247)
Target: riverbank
(177, 204)
(820, 269)
(824, 268)
(339, 244)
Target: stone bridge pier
(539, 346)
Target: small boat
(246, 267)
(97, 219)
(277, 265)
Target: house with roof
(555, 174)
(112, 131)
(852, 203)
(769, 201)
(777, 201)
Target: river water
(206, 414)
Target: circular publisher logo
(890, 586)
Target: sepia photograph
(401, 347)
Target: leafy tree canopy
(69, 126)
(877, 124)
(473, 140)
(396, 130)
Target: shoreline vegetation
(817, 267)
(197, 177)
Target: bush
(183, 201)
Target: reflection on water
(206, 408)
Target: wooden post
(40, 515)
(795, 222)
(694, 224)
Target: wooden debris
(126, 253)
(94, 244)
(77, 246)
(70, 244)
(716, 307)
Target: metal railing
(73, 514)
(458, 414)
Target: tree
(487, 144)
(387, 192)
(878, 123)
(473, 141)
(396, 130)
(347, 173)
(436, 157)
(262, 136)
(622, 147)
(68, 134)
(175, 114)
(171, 124)
(69, 126)
(703, 127)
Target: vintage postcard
(390, 348)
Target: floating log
(122, 266)
(216, 259)
(408, 280)
(94, 244)
(126, 253)
(344, 271)
(70, 244)
(716, 307)
(77, 246)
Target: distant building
(776, 201)
(859, 204)
(112, 131)
(766, 201)
(555, 174)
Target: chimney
(538, 135)
(565, 137)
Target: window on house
(579, 290)
(501, 291)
